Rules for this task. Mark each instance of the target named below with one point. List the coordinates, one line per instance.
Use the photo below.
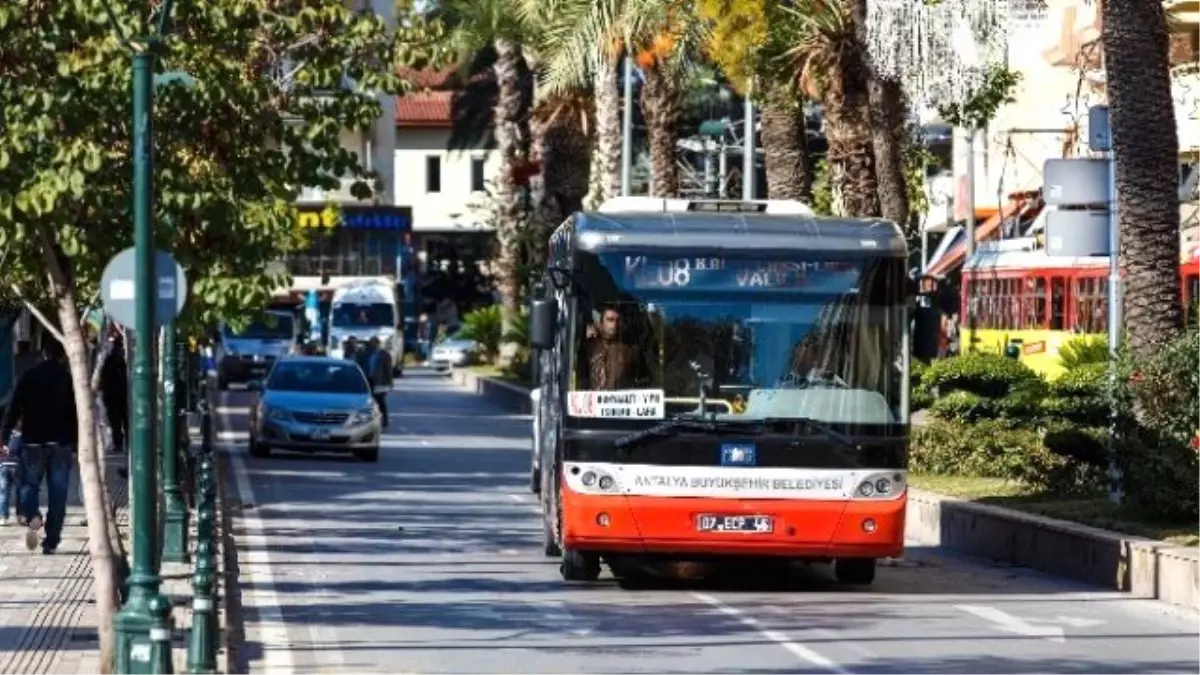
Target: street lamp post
(134, 622)
(175, 525)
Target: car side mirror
(254, 385)
(543, 314)
(926, 332)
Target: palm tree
(745, 41)
(664, 35)
(1146, 141)
(889, 137)
(830, 63)
(571, 64)
(496, 25)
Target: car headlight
(277, 414)
(365, 415)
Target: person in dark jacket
(114, 392)
(43, 402)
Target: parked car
(315, 404)
(454, 350)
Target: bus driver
(611, 364)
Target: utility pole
(748, 146)
(970, 236)
(627, 130)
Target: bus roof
(626, 222)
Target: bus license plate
(715, 523)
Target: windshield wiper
(675, 425)
(815, 425)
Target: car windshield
(273, 327)
(365, 315)
(318, 377)
(747, 337)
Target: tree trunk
(662, 106)
(116, 541)
(512, 144)
(99, 544)
(889, 119)
(785, 145)
(851, 154)
(1146, 141)
(606, 153)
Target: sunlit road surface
(430, 561)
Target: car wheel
(371, 455)
(257, 449)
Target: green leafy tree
(272, 92)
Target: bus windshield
(750, 336)
(274, 327)
(364, 316)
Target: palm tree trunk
(512, 145)
(606, 154)
(889, 117)
(662, 106)
(851, 154)
(1146, 141)
(785, 145)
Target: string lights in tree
(939, 50)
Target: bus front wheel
(579, 566)
(856, 571)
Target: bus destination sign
(714, 273)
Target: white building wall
(456, 207)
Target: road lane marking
(276, 646)
(797, 649)
(1014, 624)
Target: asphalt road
(430, 562)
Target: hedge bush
(1158, 399)
(998, 449)
(987, 375)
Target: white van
(364, 309)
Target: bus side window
(1058, 303)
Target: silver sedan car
(315, 404)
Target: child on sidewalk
(10, 479)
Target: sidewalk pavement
(47, 609)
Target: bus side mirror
(543, 314)
(927, 332)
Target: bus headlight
(607, 483)
(589, 479)
(883, 486)
(866, 489)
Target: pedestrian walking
(10, 479)
(379, 374)
(425, 330)
(43, 403)
(114, 392)
(350, 349)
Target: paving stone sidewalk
(47, 613)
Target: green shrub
(1088, 445)
(486, 327)
(963, 407)
(1082, 351)
(920, 399)
(1087, 380)
(987, 375)
(998, 449)
(1158, 398)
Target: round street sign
(117, 288)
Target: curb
(1144, 568)
(503, 394)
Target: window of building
(433, 173)
(477, 174)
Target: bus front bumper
(800, 528)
